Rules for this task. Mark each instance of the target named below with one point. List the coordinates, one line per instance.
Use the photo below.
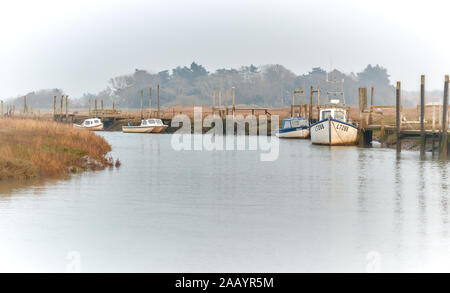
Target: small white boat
(333, 128)
(294, 127)
(147, 126)
(93, 124)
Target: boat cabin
(294, 122)
(334, 113)
(91, 122)
(152, 122)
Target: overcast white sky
(78, 45)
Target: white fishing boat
(334, 127)
(147, 126)
(294, 127)
(93, 124)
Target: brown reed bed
(41, 149)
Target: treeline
(267, 85)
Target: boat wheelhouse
(333, 128)
(93, 124)
(294, 127)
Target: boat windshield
(339, 115)
(287, 124)
(298, 123)
(326, 114)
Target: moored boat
(93, 124)
(294, 127)
(150, 125)
(333, 128)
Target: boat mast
(336, 88)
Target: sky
(78, 45)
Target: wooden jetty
(369, 118)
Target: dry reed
(34, 148)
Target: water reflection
(314, 209)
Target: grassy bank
(39, 149)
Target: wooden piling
(101, 103)
(422, 115)
(397, 116)
(371, 105)
(61, 104)
(226, 102)
(293, 103)
(2, 109)
(150, 101)
(90, 106)
(95, 107)
(158, 100)
(67, 108)
(234, 101)
(54, 106)
(25, 108)
(142, 104)
(310, 103)
(444, 141)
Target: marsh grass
(36, 148)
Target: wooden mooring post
(25, 107)
(234, 101)
(422, 115)
(2, 109)
(397, 116)
(159, 104)
(444, 140)
(67, 108)
(54, 106)
(226, 102)
(90, 106)
(142, 104)
(150, 101)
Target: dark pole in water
(422, 115)
(444, 142)
(310, 103)
(397, 116)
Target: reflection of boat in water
(294, 127)
(333, 129)
(147, 126)
(93, 124)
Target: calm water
(314, 209)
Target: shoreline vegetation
(45, 149)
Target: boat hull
(90, 128)
(334, 132)
(137, 129)
(159, 129)
(296, 132)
